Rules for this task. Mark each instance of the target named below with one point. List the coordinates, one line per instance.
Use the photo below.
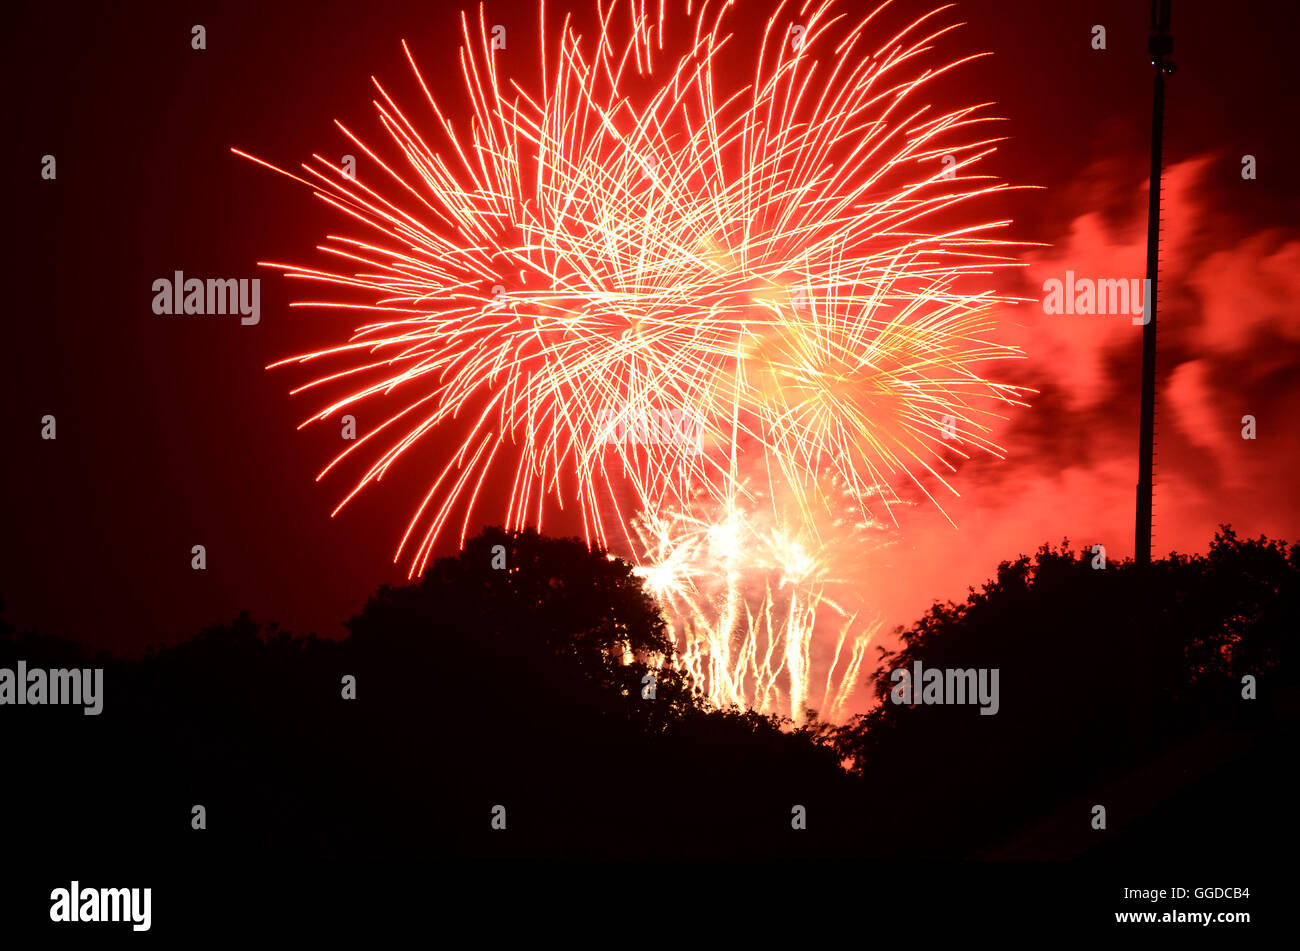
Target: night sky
(171, 433)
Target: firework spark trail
(632, 231)
(744, 589)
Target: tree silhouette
(1102, 674)
(528, 687)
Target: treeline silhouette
(523, 687)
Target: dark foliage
(1119, 687)
(523, 687)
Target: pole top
(1161, 42)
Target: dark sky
(171, 433)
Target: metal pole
(1160, 45)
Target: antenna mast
(1160, 45)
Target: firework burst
(746, 589)
(640, 231)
